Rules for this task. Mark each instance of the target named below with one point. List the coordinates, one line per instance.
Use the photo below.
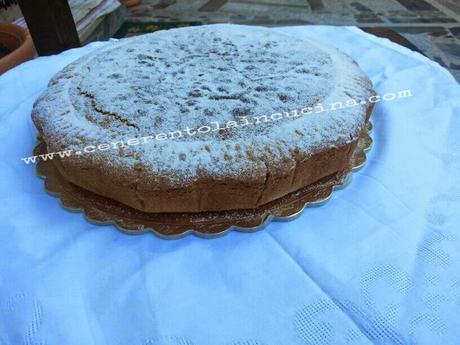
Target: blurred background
(431, 27)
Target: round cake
(207, 118)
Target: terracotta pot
(18, 41)
(130, 3)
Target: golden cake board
(102, 210)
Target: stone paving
(433, 26)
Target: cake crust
(161, 83)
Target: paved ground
(431, 25)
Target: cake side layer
(209, 194)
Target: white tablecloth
(378, 264)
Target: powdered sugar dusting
(192, 77)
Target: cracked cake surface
(204, 118)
